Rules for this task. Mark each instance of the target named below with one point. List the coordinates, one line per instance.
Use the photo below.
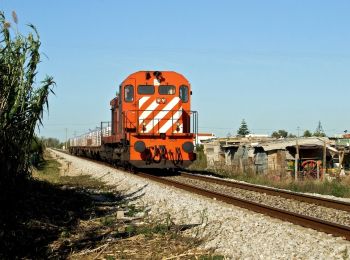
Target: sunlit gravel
(234, 232)
(328, 214)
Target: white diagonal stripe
(163, 113)
(170, 122)
(142, 101)
(148, 111)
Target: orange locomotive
(152, 124)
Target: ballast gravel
(308, 209)
(233, 232)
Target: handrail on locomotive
(193, 127)
(186, 115)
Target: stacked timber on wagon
(90, 139)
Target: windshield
(145, 89)
(166, 90)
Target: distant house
(263, 155)
(204, 137)
(343, 145)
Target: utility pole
(66, 140)
(298, 128)
(296, 161)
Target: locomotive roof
(164, 73)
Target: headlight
(188, 147)
(139, 146)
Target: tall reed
(22, 100)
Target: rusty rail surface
(295, 218)
(329, 203)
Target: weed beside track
(58, 216)
(335, 187)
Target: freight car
(152, 125)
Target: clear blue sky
(277, 64)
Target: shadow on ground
(35, 213)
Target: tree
(51, 142)
(319, 131)
(275, 134)
(280, 134)
(243, 129)
(36, 151)
(307, 133)
(290, 135)
(22, 102)
(319, 134)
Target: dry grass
(346, 180)
(335, 187)
(339, 187)
(142, 246)
(112, 226)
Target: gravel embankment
(303, 208)
(234, 232)
(306, 193)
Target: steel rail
(329, 203)
(295, 218)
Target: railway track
(299, 219)
(285, 215)
(329, 203)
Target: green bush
(201, 161)
(36, 151)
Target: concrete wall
(213, 153)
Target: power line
(69, 124)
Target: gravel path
(234, 232)
(303, 208)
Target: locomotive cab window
(129, 93)
(145, 89)
(166, 90)
(183, 93)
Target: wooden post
(296, 166)
(324, 159)
(241, 165)
(341, 159)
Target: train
(152, 124)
